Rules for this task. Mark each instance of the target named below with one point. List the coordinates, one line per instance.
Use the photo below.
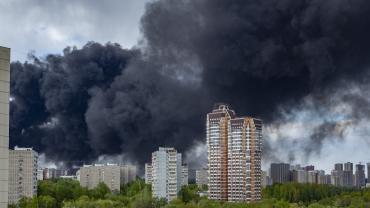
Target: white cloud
(49, 26)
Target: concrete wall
(4, 124)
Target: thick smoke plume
(291, 63)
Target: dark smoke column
(234, 156)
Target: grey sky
(48, 26)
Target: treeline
(68, 193)
(297, 192)
(65, 193)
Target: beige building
(234, 146)
(23, 170)
(4, 124)
(128, 173)
(91, 175)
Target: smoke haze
(301, 66)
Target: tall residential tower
(234, 147)
(4, 124)
(166, 173)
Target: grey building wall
(4, 124)
(91, 175)
(280, 172)
(128, 173)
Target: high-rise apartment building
(360, 176)
(309, 168)
(128, 173)
(338, 167)
(280, 172)
(148, 173)
(22, 174)
(4, 124)
(201, 177)
(312, 176)
(336, 178)
(166, 173)
(217, 140)
(185, 175)
(234, 147)
(244, 159)
(348, 178)
(109, 174)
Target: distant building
(166, 173)
(201, 177)
(127, 173)
(299, 175)
(360, 176)
(72, 177)
(40, 174)
(185, 175)
(309, 168)
(336, 178)
(338, 167)
(280, 172)
(312, 177)
(53, 173)
(91, 175)
(234, 147)
(348, 178)
(4, 124)
(323, 179)
(266, 180)
(22, 174)
(148, 173)
(368, 173)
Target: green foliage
(306, 193)
(65, 193)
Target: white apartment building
(91, 175)
(201, 177)
(128, 173)
(166, 173)
(234, 146)
(148, 173)
(4, 124)
(22, 174)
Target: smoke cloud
(301, 66)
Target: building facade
(128, 173)
(166, 173)
(201, 177)
(234, 147)
(185, 175)
(360, 176)
(109, 174)
(244, 159)
(22, 174)
(53, 173)
(280, 172)
(4, 124)
(148, 173)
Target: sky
(44, 27)
(301, 66)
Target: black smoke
(259, 56)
